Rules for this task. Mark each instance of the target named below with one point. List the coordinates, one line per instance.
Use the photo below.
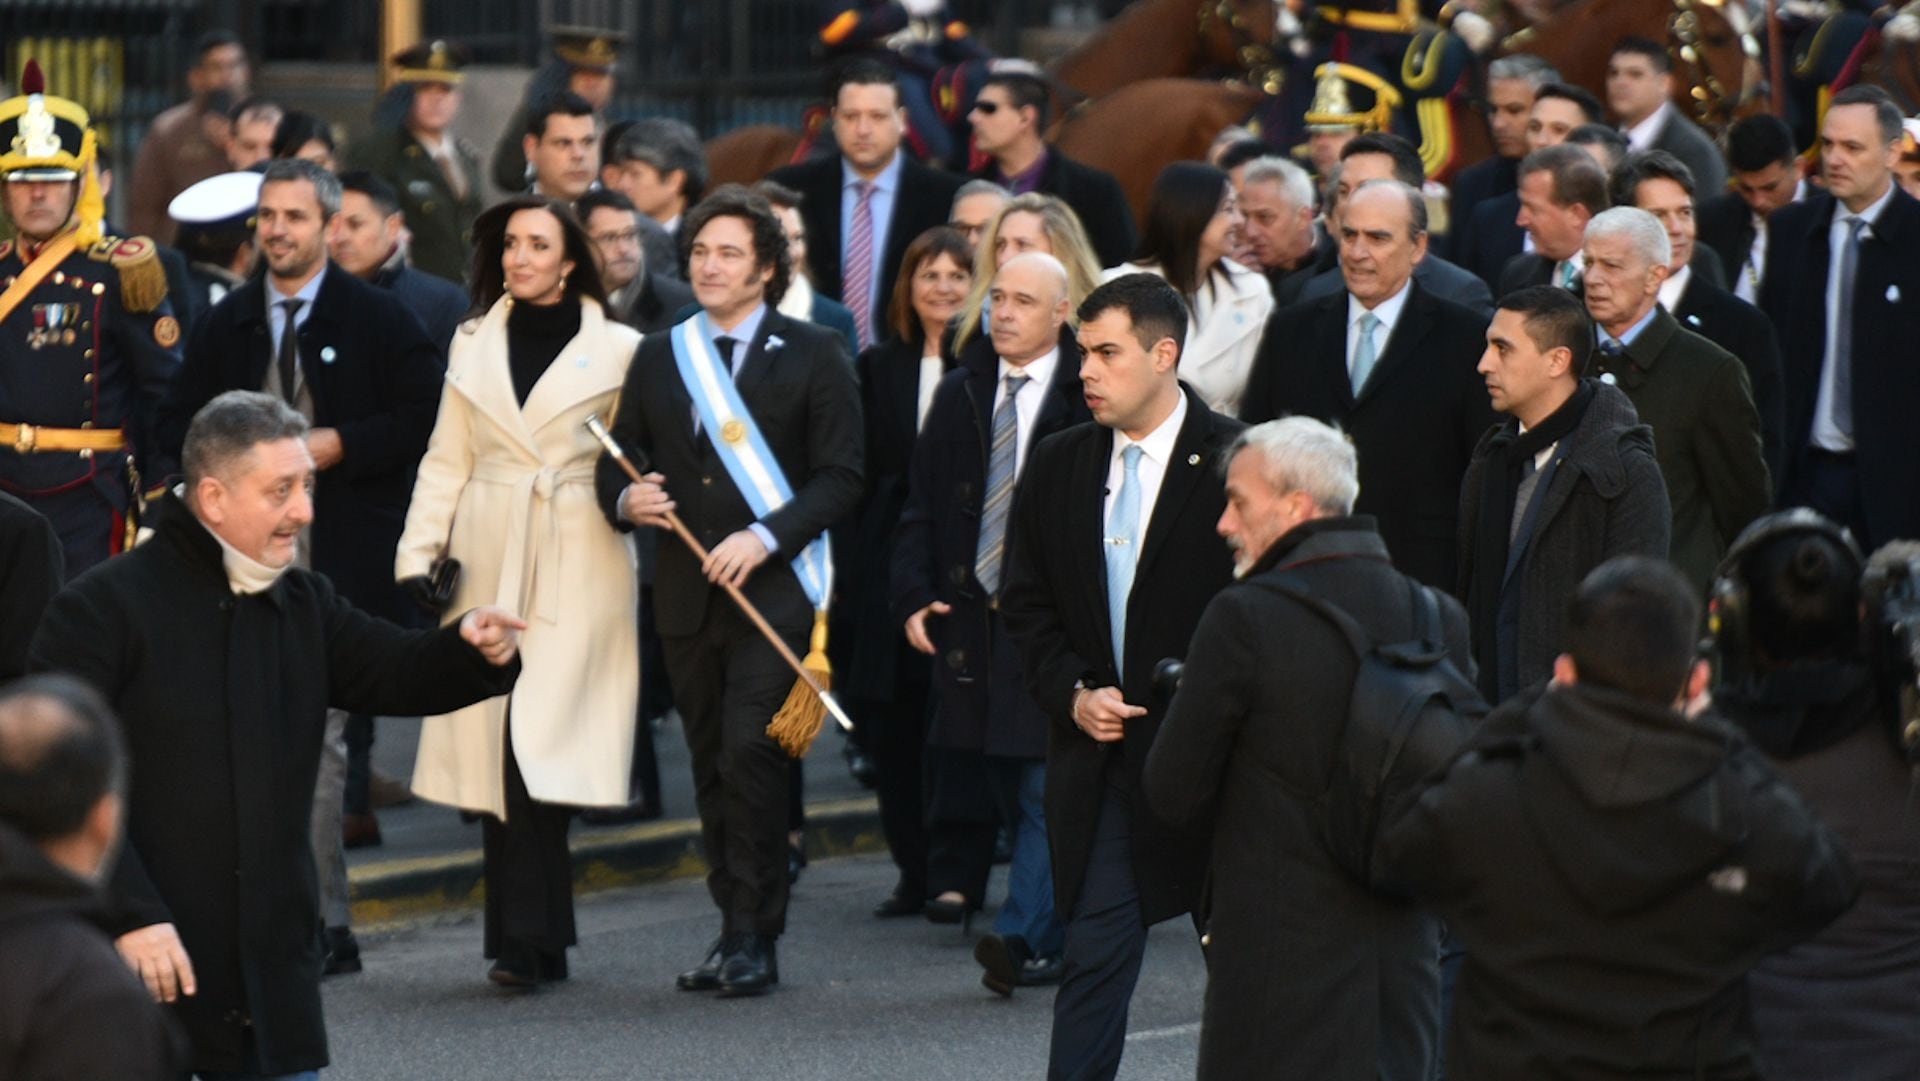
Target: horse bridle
(1712, 105)
(1256, 57)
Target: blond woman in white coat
(1191, 220)
(506, 488)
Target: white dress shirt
(1387, 311)
(1826, 434)
(1026, 407)
(1578, 261)
(931, 370)
(1675, 287)
(1641, 136)
(1747, 279)
(1156, 450)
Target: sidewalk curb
(394, 892)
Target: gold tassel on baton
(798, 721)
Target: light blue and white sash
(742, 449)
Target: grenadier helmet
(45, 138)
(1350, 96)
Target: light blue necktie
(1001, 462)
(1123, 531)
(1570, 278)
(1840, 408)
(1364, 352)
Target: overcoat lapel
(1190, 465)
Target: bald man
(987, 743)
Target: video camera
(1891, 590)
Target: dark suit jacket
(1435, 275)
(803, 398)
(1414, 424)
(1477, 183)
(1706, 437)
(1492, 237)
(1055, 602)
(1317, 975)
(658, 304)
(1287, 285)
(1886, 326)
(1531, 268)
(440, 305)
(375, 377)
(1696, 150)
(1095, 197)
(978, 705)
(834, 315)
(924, 200)
(1724, 222)
(1743, 330)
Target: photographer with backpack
(1615, 858)
(1312, 972)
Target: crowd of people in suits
(998, 451)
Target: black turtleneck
(535, 335)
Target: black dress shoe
(960, 912)
(1041, 971)
(751, 969)
(343, 952)
(1002, 956)
(899, 904)
(705, 976)
(512, 978)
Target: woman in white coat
(1191, 220)
(506, 488)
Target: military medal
(734, 431)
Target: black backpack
(1411, 711)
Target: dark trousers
(359, 733)
(1830, 484)
(529, 876)
(729, 683)
(1105, 942)
(896, 737)
(90, 528)
(960, 844)
(656, 698)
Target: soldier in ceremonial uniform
(88, 342)
(436, 174)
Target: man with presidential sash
(87, 340)
(751, 424)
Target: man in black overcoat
(1009, 118)
(904, 197)
(1081, 564)
(1418, 408)
(30, 574)
(1310, 972)
(987, 738)
(796, 383)
(1852, 445)
(223, 660)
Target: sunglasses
(986, 108)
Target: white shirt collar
(1872, 212)
(1641, 135)
(1039, 369)
(306, 293)
(888, 179)
(1158, 444)
(1387, 311)
(1675, 287)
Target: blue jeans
(1028, 911)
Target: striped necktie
(1002, 463)
(857, 282)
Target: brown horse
(1713, 79)
(1138, 129)
(746, 154)
(1156, 39)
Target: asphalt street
(860, 999)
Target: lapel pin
(1694, 320)
(1893, 294)
(327, 355)
(1193, 459)
(1608, 379)
(775, 343)
(580, 361)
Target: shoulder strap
(36, 272)
(1349, 628)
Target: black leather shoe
(751, 969)
(343, 952)
(899, 904)
(1002, 956)
(705, 976)
(1041, 971)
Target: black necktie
(725, 345)
(288, 360)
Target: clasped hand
(1102, 714)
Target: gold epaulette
(143, 281)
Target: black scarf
(1803, 708)
(1500, 488)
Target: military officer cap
(432, 62)
(1349, 96)
(218, 202)
(587, 46)
(45, 138)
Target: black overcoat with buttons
(977, 705)
(223, 700)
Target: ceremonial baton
(686, 536)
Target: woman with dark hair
(304, 135)
(505, 497)
(885, 682)
(1192, 217)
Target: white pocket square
(1893, 294)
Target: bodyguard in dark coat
(221, 661)
(30, 574)
(1867, 479)
(1310, 973)
(1531, 526)
(1009, 118)
(372, 375)
(1416, 417)
(1117, 868)
(1613, 866)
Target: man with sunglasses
(1007, 120)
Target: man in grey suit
(1381, 156)
(1640, 94)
